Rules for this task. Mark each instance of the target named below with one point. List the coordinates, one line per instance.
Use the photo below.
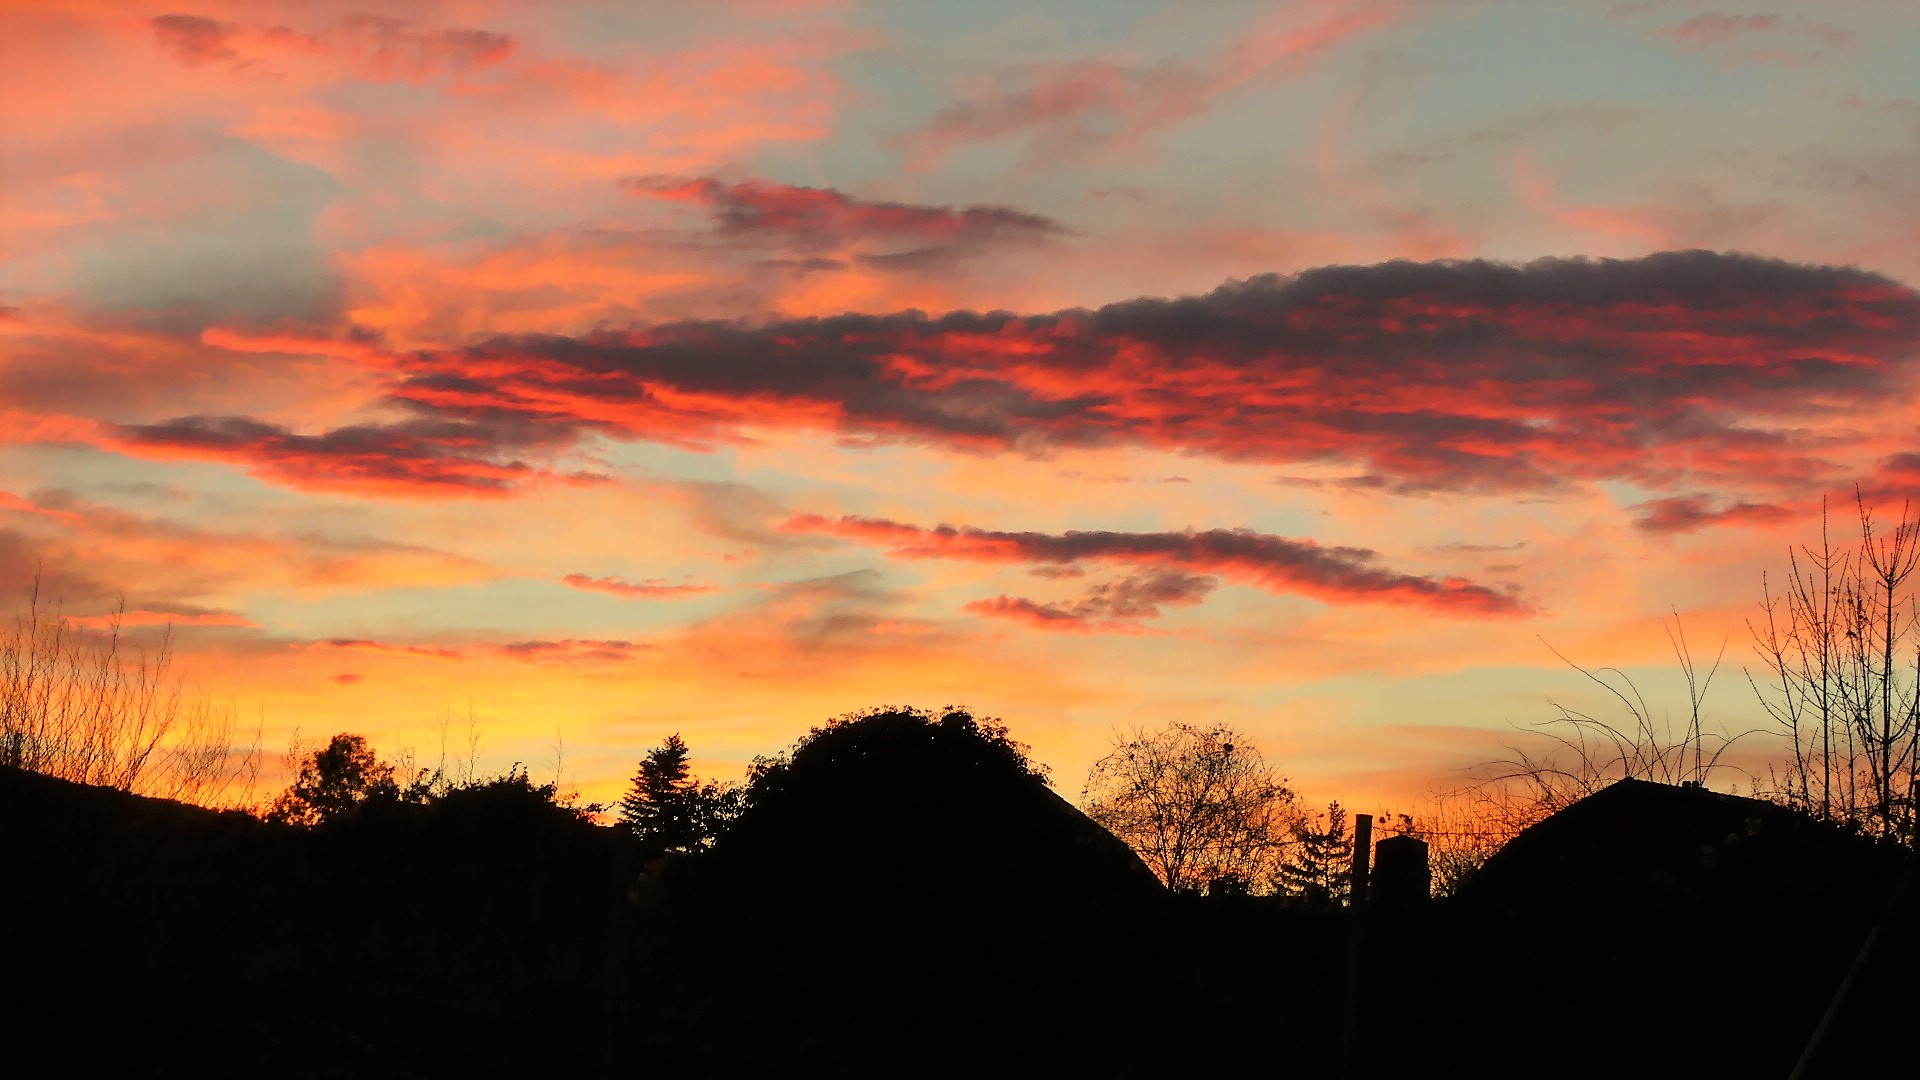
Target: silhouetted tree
(980, 739)
(1319, 867)
(1199, 805)
(79, 703)
(1841, 647)
(667, 807)
(335, 781)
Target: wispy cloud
(1757, 38)
(1072, 109)
(421, 457)
(376, 47)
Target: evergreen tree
(669, 808)
(1320, 867)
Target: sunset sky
(617, 369)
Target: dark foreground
(962, 924)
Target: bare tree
(88, 706)
(1573, 755)
(1465, 826)
(1199, 805)
(1841, 654)
(1584, 752)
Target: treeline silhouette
(903, 894)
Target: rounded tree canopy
(931, 803)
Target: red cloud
(1894, 477)
(649, 590)
(1275, 563)
(1475, 376)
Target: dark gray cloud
(1110, 607)
(890, 235)
(423, 456)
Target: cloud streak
(1757, 38)
(1072, 109)
(1110, 607)
(563, 651)
(809, 219)
(426, 456)
(636, 590)
(1335, 575)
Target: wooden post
(1353, 991)
(1362, 859)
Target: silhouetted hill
(1668, 931)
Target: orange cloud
(1540, 194)
(178, 563)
